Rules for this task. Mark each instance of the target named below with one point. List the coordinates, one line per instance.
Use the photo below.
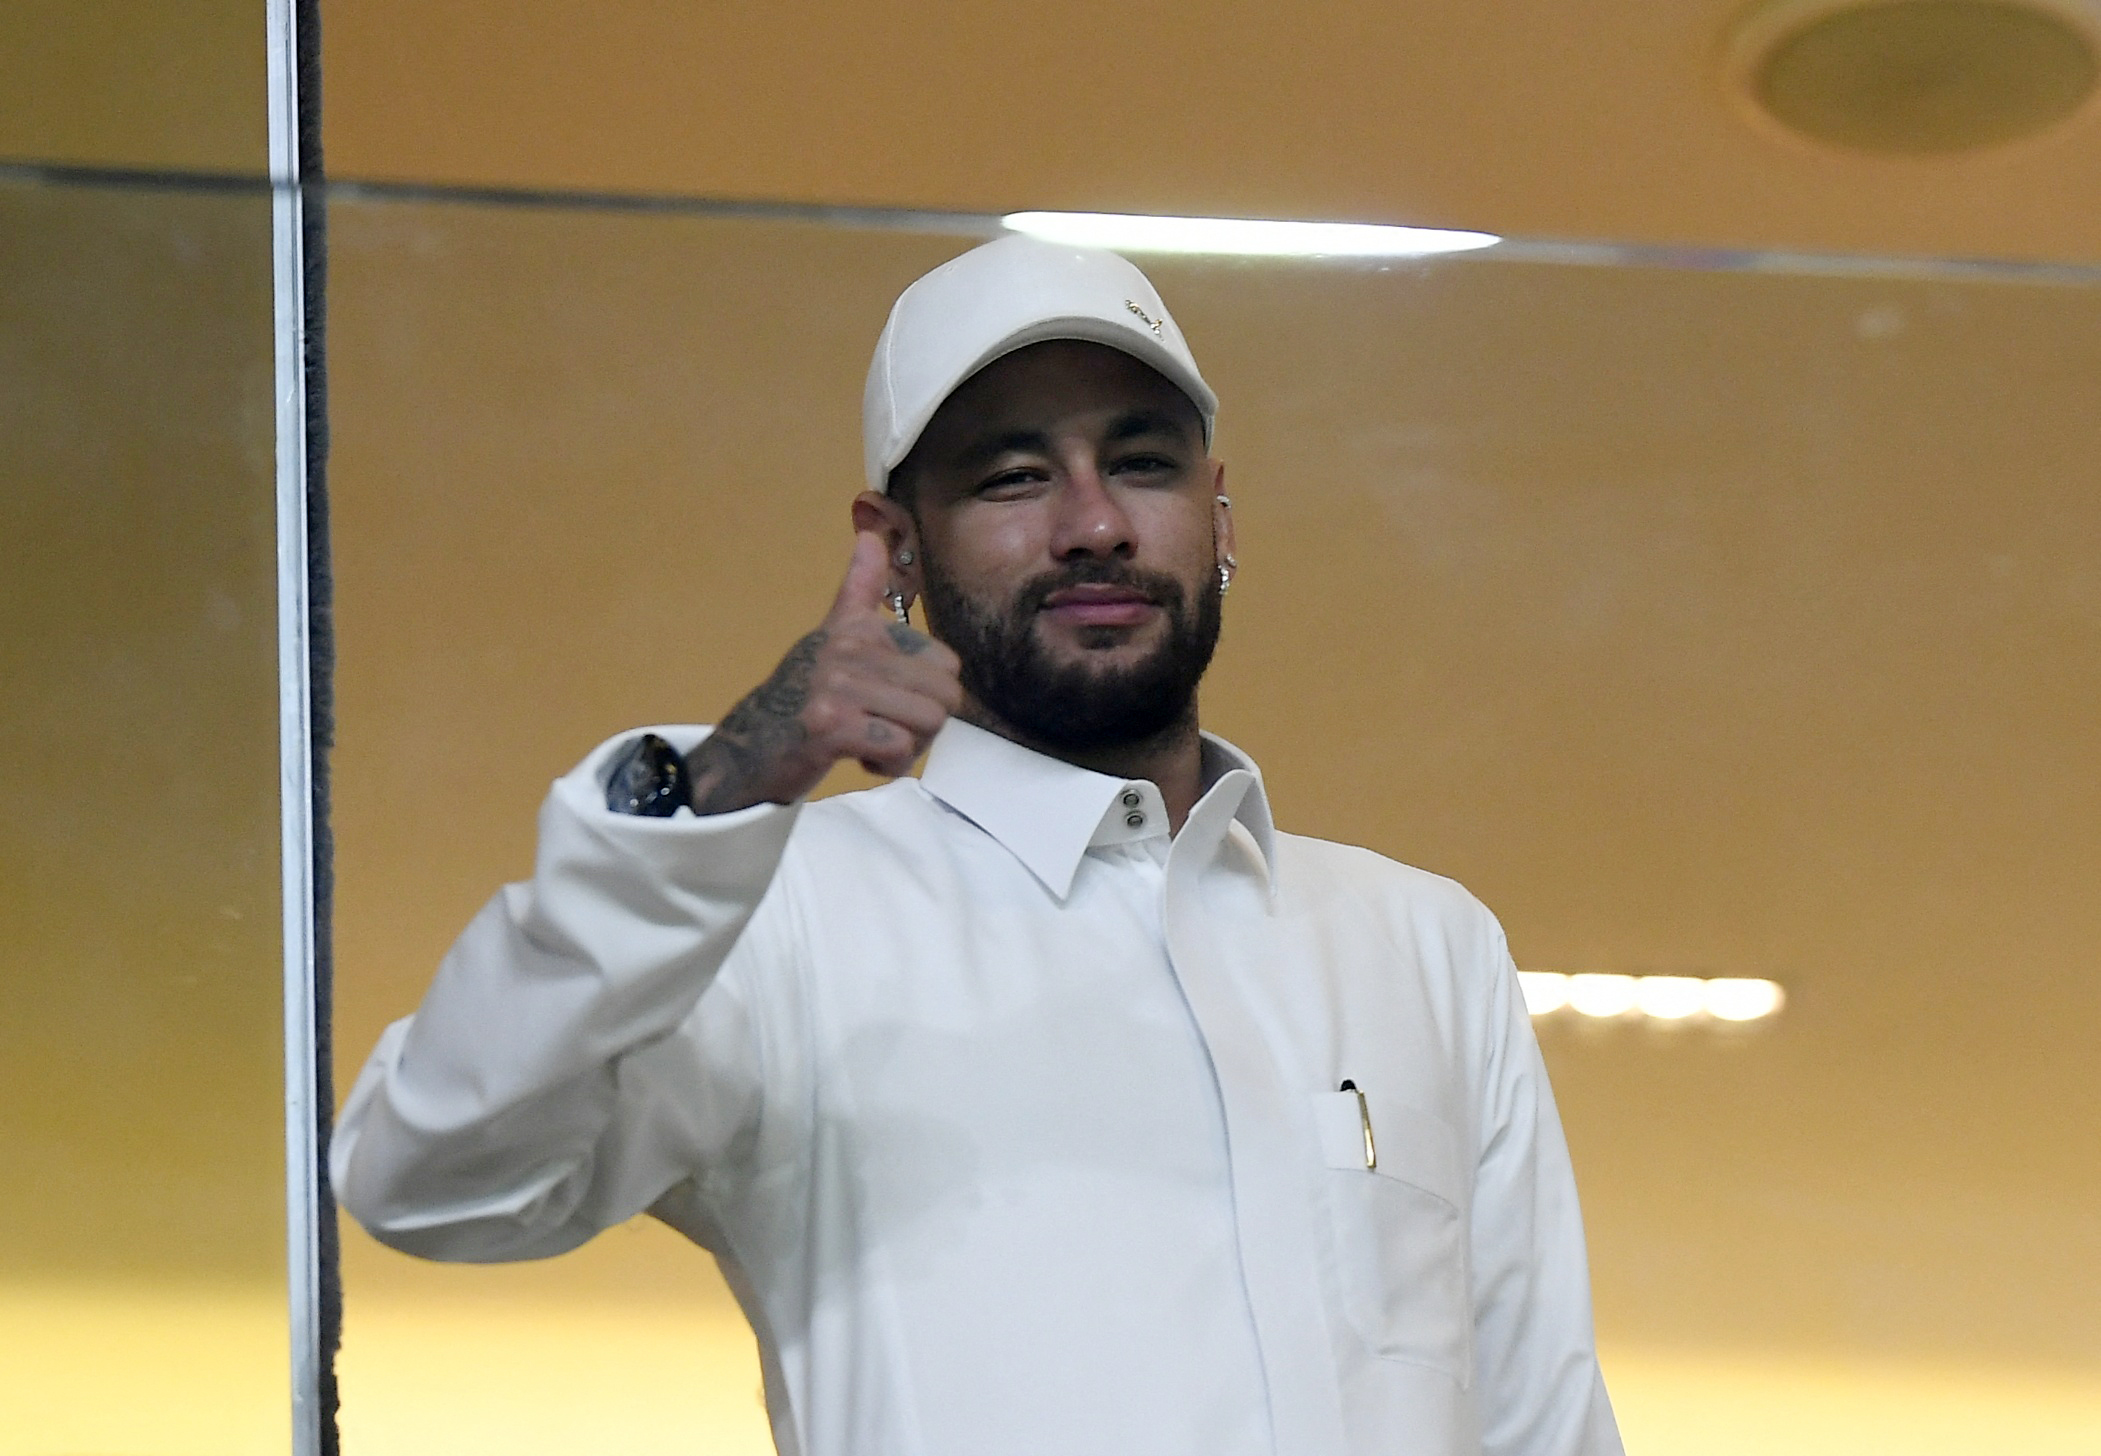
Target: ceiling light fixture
(1608, 996)
(1242, 237)
(1915, 77)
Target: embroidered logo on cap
(1150, 322)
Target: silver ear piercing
(1226, 568)
(1224, 500)
(896, 598)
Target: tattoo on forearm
(754, 734)
(783, 694)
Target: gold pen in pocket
(1371, 1149)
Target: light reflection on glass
(1607, 995)
(1243, 237)
(1597, 993)
(1670, 998)
(1545, 991)
(1742, 998)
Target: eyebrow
(1132, 425)
(1016, 440)
(1144, 422)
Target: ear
(1221, 512)
(884, 517)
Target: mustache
(1163, 590)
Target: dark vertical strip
(321, 640)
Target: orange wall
(1587, 119)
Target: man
(1052, 1102)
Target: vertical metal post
(295, 729)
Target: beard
(1073, 707)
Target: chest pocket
(1400, 1230)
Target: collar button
(1130, 798)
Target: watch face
(648, 778)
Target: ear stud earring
(905, 558)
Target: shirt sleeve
(1535, 1352)
(557, 1079)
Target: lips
(1099, 604)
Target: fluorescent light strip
(1655, 998)
(1242, 237)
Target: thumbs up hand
(862, 686)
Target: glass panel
(1712, 623)
(142, 1292)
(132, 83)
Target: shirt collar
(1049, 813)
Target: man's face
(1070, 541)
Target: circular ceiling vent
(1917, 77)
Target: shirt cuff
(686, 848)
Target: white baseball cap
(999, 298)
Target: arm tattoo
(754, 734)
(909, 640)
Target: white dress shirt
(1017, 1125)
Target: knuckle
(824, 717)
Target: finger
(865, 647)
(867, 577)
(912, 642)
(936, 680)
(921, 713)
(930, 674)
(888, 748)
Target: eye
(1007, 484)
(1146, 464)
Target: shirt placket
(1272, 1201)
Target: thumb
(867, 577)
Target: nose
(1088, 521)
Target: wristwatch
(648, 778)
